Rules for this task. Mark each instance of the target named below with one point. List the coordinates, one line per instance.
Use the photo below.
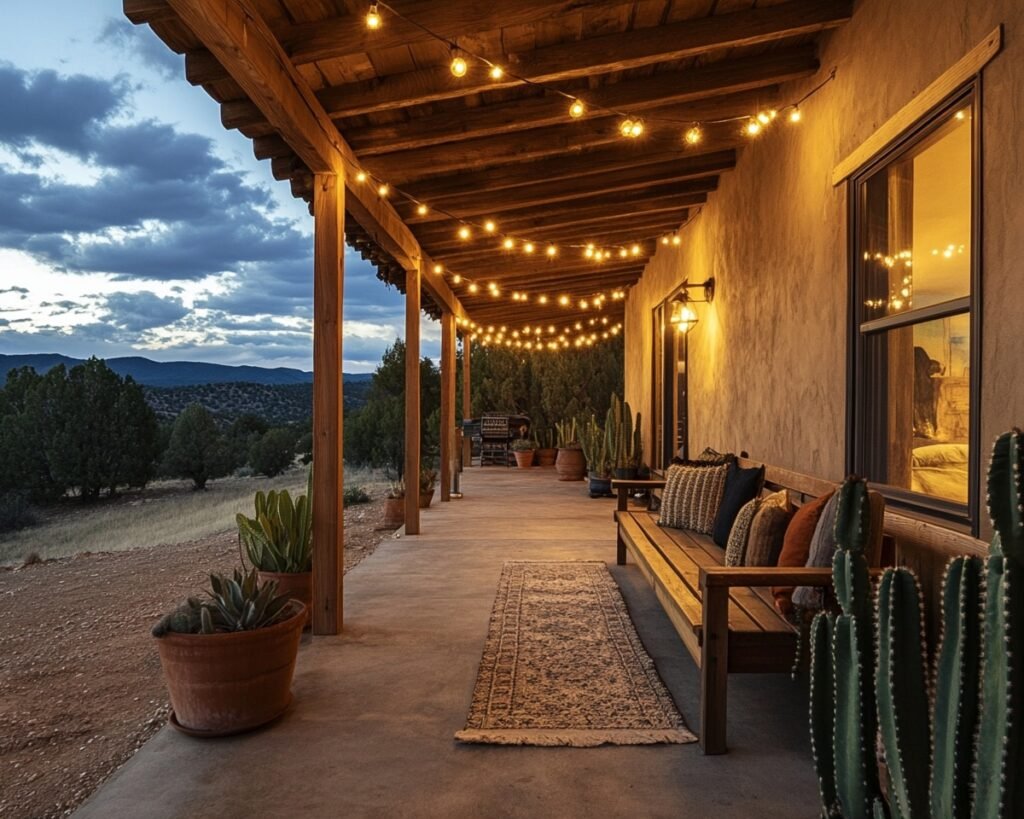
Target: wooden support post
(447, 403)
(467, 398)
(328, 272)
(714, 667)
(413, 280)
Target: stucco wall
(768, 358)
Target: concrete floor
(370, 732)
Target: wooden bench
(726, 616)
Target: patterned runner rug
(563, 665)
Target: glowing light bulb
(528, 247)
(464, 233)
(552, 251)
(373, 20)
(632, 128)
(459, 65)
(577, 109)
(626, 127)
(753, 127)
(795, 115)
(676, 241)
(635, 250)
(422, 210)
(383, 190)
(564, 301)
(497, 72)
(542, 299)
(623, 253)
(361, 176)
(693, 135)
(474, 287)
(589, 252)
(439, 269)
(764, 117)
(584, 304)
(456, 279)
(509, 243)
(664, 240)
(489, 226)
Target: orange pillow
(796, 546)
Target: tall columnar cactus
(843, 720)
(968, 768)
(625, 449)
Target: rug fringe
(575, 738)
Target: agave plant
(280, 537)
(237, 603)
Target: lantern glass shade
(682, 317)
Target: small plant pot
(524, 459)
(546, 457)
(394, 512)
(297, 585)
(425, 498)
(600, 487)
(570, 465)
(231, 682)
(625, 473)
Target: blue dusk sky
(132, 223)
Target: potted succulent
(546, 449)
(569, 464)
(523, 449)
(625, 446)
(428, 479)
(594, 441)
(229, 660)
(279, 541)
(394, 505)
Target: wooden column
(447, 403)
(467, 400)
(413, 280)
(328, 273)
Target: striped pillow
(691, 497)
(736, 546)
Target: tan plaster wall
(768, 358)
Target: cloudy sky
(132, 223)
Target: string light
(528, 247)
(474, 288)
(422, 209)
(373, 19)
(361, 176)
(464, 233)
(497, 72)
(458, 66)
(693, 135)
(439, 269)
(631, 128)
(552, 251)
(383, 190)
(795, 115)
(489, 226)
(509, 243)
(753, 127)
(577, 109)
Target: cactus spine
(843, 720)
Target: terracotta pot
(227, 683)
(425, 498)
(524, 460)
(298, 586)
(546, 457)
(394, 512)
(570, 465)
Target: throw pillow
(691, 497)
(767, 531)
(736, 546)
(708, 456)
(741, 486)
(796, 546)
(822, 549)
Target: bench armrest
(623, 487)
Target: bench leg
(620, 550)
(714, 669)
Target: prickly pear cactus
(847, 771)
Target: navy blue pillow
(741, 487)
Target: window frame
(960, 516)
(670, 404)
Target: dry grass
(167, 512)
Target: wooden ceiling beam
(149, 11)
(624, 231)
(596, 55)
(726, 80)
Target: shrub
(273, 453)
(304, 448)
(14, 510)
(354, 495)
(197, 449)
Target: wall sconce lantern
(683, 317)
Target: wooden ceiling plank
(148, 11)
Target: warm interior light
(459, 65)
(683, 317)
(577, 109)
(373, 20)
(693, 135)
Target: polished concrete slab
(371, 731)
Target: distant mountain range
(173, 373)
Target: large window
(669, 400)
(914, 281)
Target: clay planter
(297, 585)
(425, 498)
(546, 457)
(231, 682)
(570, 465)
(524, 459)
(394, 512)
(600, 487)
(627, 473)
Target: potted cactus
(523, 449)
(546, 449)
(570, 464)
(394, 505)
(594, 441)
(279, 541)
(229, 660)
(625, 446)
(428, 480)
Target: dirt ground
(80, 683)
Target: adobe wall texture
(768, 358)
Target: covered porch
(371, 733)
